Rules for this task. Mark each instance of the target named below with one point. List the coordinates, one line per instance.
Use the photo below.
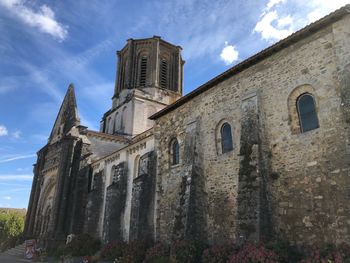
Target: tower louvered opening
(163, 74)
(143, 71)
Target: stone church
(260, 151)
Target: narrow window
(226, 138)
(94, 182)
(90, 180)
(114, 174)
(307, 113)
(175, 152)
(163, 74)
(143, 71)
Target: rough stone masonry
(233, 159)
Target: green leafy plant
(113, 250)
(122, 252)
(81, 245)
(11, 229)
(285, 251)
(329, 254)
(135, 251)
(187, 251)
(159, 253)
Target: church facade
(261, 151)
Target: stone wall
(115, 204)
(94, 206)
(142, 202)
(115, 200)
(303, 179)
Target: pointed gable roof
(67, 116)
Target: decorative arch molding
(218, 135)
(294, 121)
(48, 190)
(46, 218)
(304, 80)
(45, 202)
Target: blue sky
(45, 45)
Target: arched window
(226, 138)
(163, 78)
(114, 174)
(174, 152)
(143, 71)
(90, 179)
(307, 112)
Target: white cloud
(16, 177)
(16, 134)
(229, 54)
(43, 19)
(272, 27)
(273, 3)
(321, 8)
(18, 157)
(3, 130)
(7, 197)
(285, 21)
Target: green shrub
(113, 250)
(285, 251)
(132, 252)
(11, 229)
(81, 245)
(330, 254)
(186, 251)
(135, 251)
(159, 253)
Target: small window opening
(143, 71)
(163, 74)
(226, 138)
(175, 152)
(307, 113)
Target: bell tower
(149, 77)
